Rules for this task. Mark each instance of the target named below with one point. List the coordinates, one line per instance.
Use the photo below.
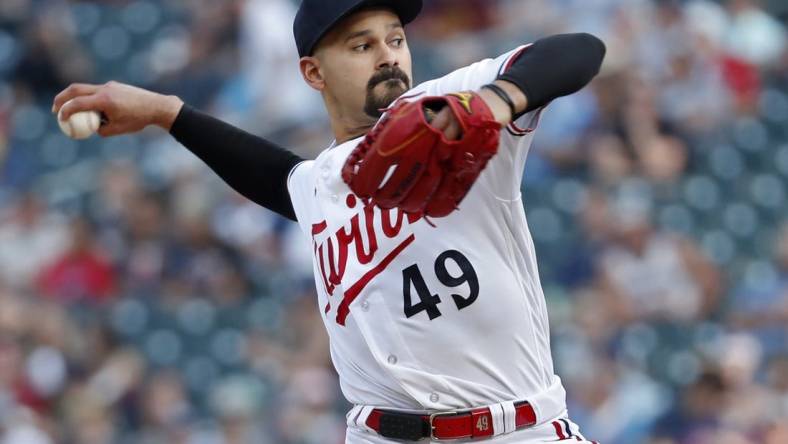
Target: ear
(311, 72)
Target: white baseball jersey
(433, 318)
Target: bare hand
(124, 108)
(447, 122)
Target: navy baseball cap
(316, 17)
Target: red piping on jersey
(558, 430)
(512, 127)
(569, 429)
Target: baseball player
(425, 269)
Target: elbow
(584, 54)
(594, 49)
(581, 53)
(593, 43)
(556, 66)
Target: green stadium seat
(759, 273)
(768, 191)
(228, 347)
(196, 317)
(9, 51)
(781, 160)
(725, 162)
(264, 313)
(111, 43)
(741, 219)
(545, 224)
(141, 17)
(764, 241)
(129, 317)
(163, 347)
(676, 218)
(57, 151)
(200, 372)
(87, 17)
(29, 123)
(719, 246)
(701, 192)
(568, 195)
(750, 135)
(773, 107)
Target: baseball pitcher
(425, 269)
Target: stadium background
(142, 301)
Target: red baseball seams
(333, 253)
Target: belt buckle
(432, 427)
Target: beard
(383, 89)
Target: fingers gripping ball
(405, 162)
(80, 125)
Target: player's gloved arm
(253, 166)
(554, 67)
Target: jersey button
(434, 397)
(335, 198)
(365, 306)
(392, 359)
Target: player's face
(365, 63)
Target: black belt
(476, 423)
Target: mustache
(388, 74)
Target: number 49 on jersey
(413, 279)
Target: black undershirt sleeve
(253, 166)
(556, 66)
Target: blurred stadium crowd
(143, 301)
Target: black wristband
(503, 95)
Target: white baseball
(80, 125)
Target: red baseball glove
(405, 162)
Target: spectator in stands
(89, 420)
(696, 415)
(648, 274)
(82, 273)
(54, 57)
(752, 408)
(754, 35)
(198, 263)
(165, 408)
(237, 403)
(30, 237)
(145, 244)
(763, 308)
(663, 158)
(269, 67)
